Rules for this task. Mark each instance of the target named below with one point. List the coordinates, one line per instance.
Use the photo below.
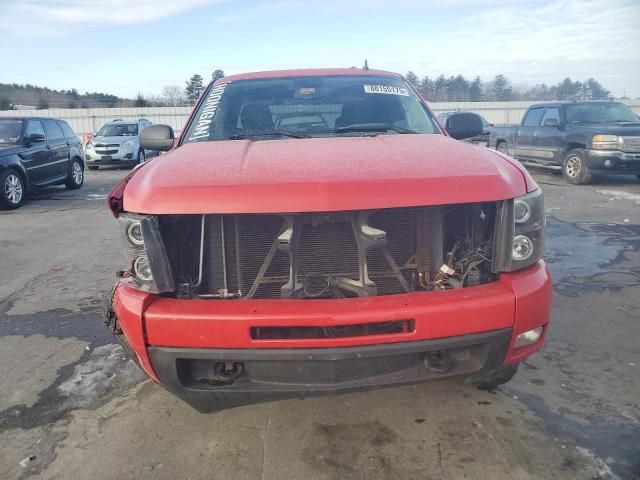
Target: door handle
(536, 133)
(520, 133)
(48, 147)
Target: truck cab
(576, 138)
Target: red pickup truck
(318, 231)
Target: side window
(54, 132)
(66, 129)
(34, 126)
(551, 113)
(533, 117)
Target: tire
(575, 169)
(491, 379)
(502, 148)
(75, 178)
(141, 156)
(12, 189)
(92, 167)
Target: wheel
(502, 148)
(575, 169)
(141, 156)
(92, 167)
(491, 379)
(75, 179)
(13, 189)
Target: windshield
(600, 113)
(301, 107)
(119, 130)
(10, 131)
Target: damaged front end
(320, 255)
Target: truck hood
(321, 174)
(622, 128)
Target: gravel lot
(72, 406)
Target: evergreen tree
(412, 78)
(501, 88)
(568, 90)
(194, 88)
(441, 89)
(427, 89)
(217, 74)
(140, 101)
(598, 92)
(475, 90)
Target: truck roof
(568, 102)
(310, 72)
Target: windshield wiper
(372, 127)
(272, 133)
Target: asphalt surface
(73, 406)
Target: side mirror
(463, 125)
(157, 137)
(35, 138)
(551, 122)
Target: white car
(116, 143)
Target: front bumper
(93, 157)
(613, 161)
(198, 376)
(194, 347)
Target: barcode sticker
(384, 89)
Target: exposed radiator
(317, 255)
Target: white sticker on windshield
(208, 112)
(386, 90)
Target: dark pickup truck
(578, 138)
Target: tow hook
(437, 361)
(224, 373)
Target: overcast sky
(124, 46)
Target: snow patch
(604, 472)
(620, 195)
(107, 371)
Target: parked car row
(37, 152)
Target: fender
(13, 161)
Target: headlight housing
(149, 267)
(128, 144)
(607, 142)
(519, 236)
(528, 236)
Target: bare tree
(174, 95)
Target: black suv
(36, 152)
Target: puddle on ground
(613, 440)
(581, 255)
